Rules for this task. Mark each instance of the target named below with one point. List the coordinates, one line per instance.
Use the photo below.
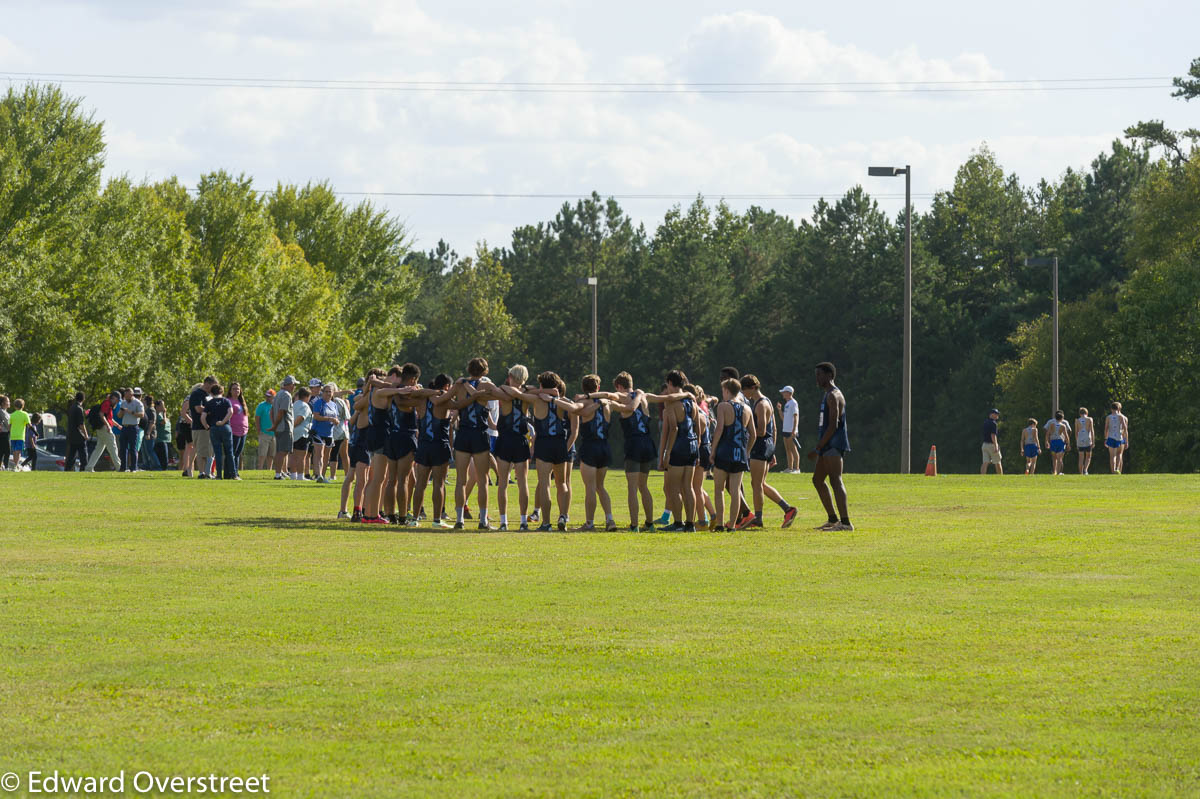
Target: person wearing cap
(201, 441)
(131, 412)
(791, 421)
(282, 416)
(991, 443)
(266, 434)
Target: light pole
(906, 401)
(591, 281)
(1051, 261)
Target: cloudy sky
(363, 130)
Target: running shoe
(545, 528)
(485, 525)
(647, 528)
(586, 528)
(789, 516)
(756, 524)
(533, 517)
(562, 524)
(524, 528)
(466, 512)
(356, 516)
(673, 528)
(827, 526)
(633, 528)
(459, 526)
(410, 520)
(441, 525)
(421, 515)
(843, 527)
(689, 527)
(376, 520)
(746, 521)
(343, 515)
(611, 527)
(720, 528)
(504, 527)
(665, 518)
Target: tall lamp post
(1053, 262)
(906, 402)
(592, 282)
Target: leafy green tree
(475, 321)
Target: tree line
(153, 284)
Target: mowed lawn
(974, 636)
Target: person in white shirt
(301, 425)
(791, 428)
(1085, 436)
(1116, 432)
(1058, 437)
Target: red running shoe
(789, 516)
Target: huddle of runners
(1057, 435)
(405, 437)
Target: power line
(598, 87)
(569, 196)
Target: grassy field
(988, 637)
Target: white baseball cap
(788, 389)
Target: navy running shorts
(763, 450)
(550, 450)
(512, 448)
(595, 454)
(472, 441)
(430, 455)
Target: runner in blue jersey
(762, 455)
(681, 452)
(833, 442)
(1116, 438)
(432, 459)
(471, 444)
(594, 454)
(512, 444)
(731, 445)
(555, 430)
(640, 450)
(402, 442)
(704, 506)
(381, 423)
(360, 457)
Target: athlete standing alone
(833, 442)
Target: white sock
(460, 512)
(504, 519)
(524, 519)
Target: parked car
(53, 451)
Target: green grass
(993, 637)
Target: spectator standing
(162, 429)
(239, 424)
(215, 417)
(5, 427)
(77, 433)
(324, 417)
(341, 433)
(146, 432)
(132, 412)
(202, 442)
(302, 416)
(266, 436)
(17, 422)
(100, 419)
(791, 428)
(282, 415)
(991, 443)
(33, 433)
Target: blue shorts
(705, 457)
(472, 441)
(1058, 445)
(430, 455)
(595, 454)
(17, 446)
(731, 466)
(400, 445)
(550, 450)
(1114, 443)
(763, 450)
(1031, 450)
(640, 449)
(512, 448)
(358, 454)
(684, 455)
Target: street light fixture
(906, 403)
(592, 282)
(1051, 261)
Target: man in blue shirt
(324, 415)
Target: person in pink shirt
(239, 423)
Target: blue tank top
(433, 429)
(513, 423)
(734, 437)
(596, 428)
(551, 426)
(840, 439)
(686, 430)
(474, 416)
(405, 422)
(637, 424)
(769, 435)
(378, 420)
(706, 431)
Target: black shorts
(786, 435)
(640, 449)
(763, 450)
(731, 466)
(323, 441)
(302, 444)
(400, 445)
(550, 450)
(643, 467)
(183, 433)
(705, 457)
(596, 454)
(434, 454)
(472, 441)
(683, 456)
(1083, 449)
(358, 454)
(512, 448)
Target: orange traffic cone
(931, 464)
